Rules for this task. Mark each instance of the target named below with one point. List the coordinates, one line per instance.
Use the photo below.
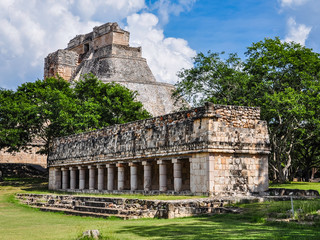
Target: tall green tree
(42, 110)
(114, 102)
(215, 79)
(282, 78)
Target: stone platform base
(125, 208)
(126, 192)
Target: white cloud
(30, 30)
(111, 9)
(165, 56)
(168, 7)
(297, 32)
(291, 3)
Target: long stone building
(212, 149)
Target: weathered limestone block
(61, 62)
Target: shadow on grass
(225, 226)
(289, 184)
(26, 184)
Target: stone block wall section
(224, 147)
(25, 157)
(106, 34)
(62, 63)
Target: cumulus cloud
(297, 32)
(31, 30)
(28, 32)
(113, 9)
(302, 21)
(168, 7)
(291, 3)
(165, 56)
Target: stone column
(120, 176)
(133, 176)
(65, 179)
(72, 178)
(57, 176)
(101, 177)
(110, 176)
(146, 175)
(177, 175)
(82, 177)
(92, 177)
(162, 176)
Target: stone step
(120, 211)
(118, 201)
(43, 204)
(97, 204)
(86, 214)
(40, 201)
(96, 209)
(111, 204)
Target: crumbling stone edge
(125, 208)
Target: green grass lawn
(298, 185)
(42, 188)
(18, 221)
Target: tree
(44, 110)
(11, 134)
(112, 103)
(286, 76)
(282, 78)
(213, 79)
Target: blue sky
(227, 26)
(170, 32)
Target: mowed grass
(42, 188)
(298, 185)
(18, 221)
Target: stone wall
(119, 51)
(238, 172)
(222, 128)
(62, 63)
(128, 208)
(119, 69)
(26, 157)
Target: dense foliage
(283, 79)
(42, 110)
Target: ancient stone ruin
(106, 53)
(210, 150)
(124, 208)
(24, 156)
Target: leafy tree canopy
(283, 79)
(42, 110)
